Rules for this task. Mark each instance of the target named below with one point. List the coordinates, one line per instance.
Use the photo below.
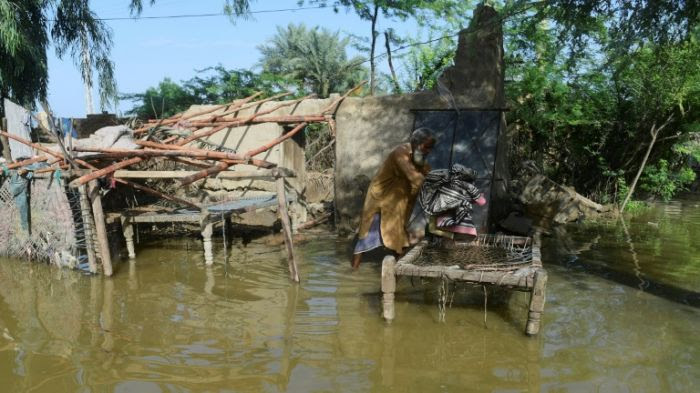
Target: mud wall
(369, 128)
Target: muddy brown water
(620, 317)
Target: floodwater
(621, 316)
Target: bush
(660, 181)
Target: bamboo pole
(333, 104)
(214, 130)
(181, 116)
(266, 119)
(101, 228)
(158, 193)
(275, 141)
(229, 158)
(31, 144)
(212, 170)
(110, 169)
(27, 162)
(252, 104)
(287, 229)
(222, 166)
(104, 171)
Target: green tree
(23, 43)
(166, 99)
(315, 59)
(213, 85)
(372, 11)
(423, 63)
(78, 30)
(589, 82)
(24, 40)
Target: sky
(146, 51)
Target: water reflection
(167, 322)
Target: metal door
(470, 138)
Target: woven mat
(485, 253)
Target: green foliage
(587, 83)
(166, 99)
(213, 85)
(423, 64)
(659, 180)
(311, 60)
(637, 207)
(24, 40)
(78, 30)
(222, 85)
(425, 12)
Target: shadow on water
(638, 281)
(650, 256)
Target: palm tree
(24, 40)
(314, 59)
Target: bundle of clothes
(447, 198)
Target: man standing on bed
(391, 196)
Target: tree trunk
(86, 68)
(654, 133)
(397, 87)
(372, 63)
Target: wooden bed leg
(537, 299)
(207, 230)
(388, 286)
(128, 232)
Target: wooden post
(207, 230)
(128, 232)
(287, 229)
(388, 286)
(87, 228)
(101, 228)
(537, 299)
(5, 143)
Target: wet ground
(621, 316)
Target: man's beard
(418, 158)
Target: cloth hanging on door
(449, 196)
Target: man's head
(422, 142)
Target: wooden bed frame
(531, 277)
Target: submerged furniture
(221, 212)
(511, 262)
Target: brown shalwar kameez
(392, 194)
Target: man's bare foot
(355, 262)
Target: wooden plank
(287, 229)
(101, 228)
(517, 278)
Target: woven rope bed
(485, 253)
(511, 262)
